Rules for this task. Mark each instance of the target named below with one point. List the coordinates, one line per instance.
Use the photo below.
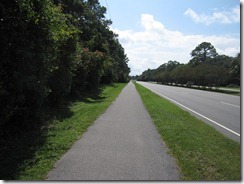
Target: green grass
(202, 153)
(31, 155)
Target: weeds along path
(122, 144)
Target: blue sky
(156, 31)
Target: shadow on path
(18, 144)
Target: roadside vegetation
(53, 52)
(206, 68)
(226, 90)
(30, 155)
(202, 153)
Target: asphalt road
(222, 111)
(122, 144)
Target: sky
(153, 32)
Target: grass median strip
(201, 151)
(32, 155)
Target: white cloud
(156, 45)
(223, 17)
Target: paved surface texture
(123, 144)
(221, 108)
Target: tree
(147, 75)
(51, 49)
(182, 74)
(31, 33)
(235, 70)
(206, 68)
(202, 52)
(172, 65)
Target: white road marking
(195, 112)
(230, 104)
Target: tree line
(51, 50)
(206, 68)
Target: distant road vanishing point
(122, 144)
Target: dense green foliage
(202, 153)
(51, 50)
(206, 68)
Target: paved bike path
(122, 144)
